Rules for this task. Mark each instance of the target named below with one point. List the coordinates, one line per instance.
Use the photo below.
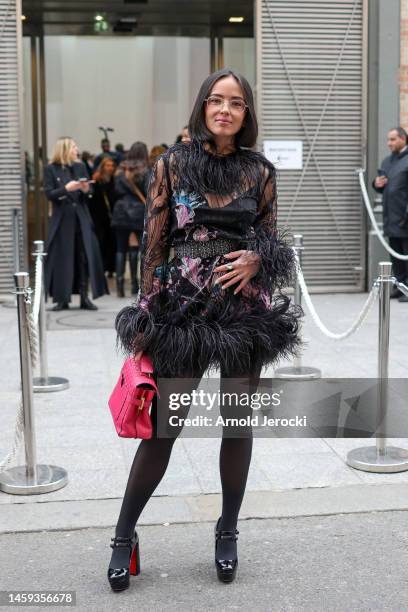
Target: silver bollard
(381, 458)
(297, 371)
(45, 383)
(15, 224)
(29, 478)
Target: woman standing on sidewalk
(128, 214)
(213, 304)
(73, 254)
(101, 207)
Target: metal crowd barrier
(382, 458)
(30, 478)
(297, 371)
(379, 458)
(45, 383)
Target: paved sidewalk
(336, 563)
(75, 430)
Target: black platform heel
(226, 568)
(119, 577)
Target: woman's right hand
(73, 186)
(381, 181)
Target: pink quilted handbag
(132, 397)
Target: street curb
(317, 501)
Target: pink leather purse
(132, 397)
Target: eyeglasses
(217, 102)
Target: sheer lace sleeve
(276, 257)
(268, 205)
(155, 247)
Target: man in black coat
(73, 253)
(106, 152)
(392, 182)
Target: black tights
(153, 455)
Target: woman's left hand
(245, 267)
(84, 186)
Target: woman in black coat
(128, 215)
(101, 208)
(73, 254)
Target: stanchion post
(383, 348)
(29, 478)
(381, 458)
(297, 371)
(39, 253)
(45, 383)
(297, 298)
(15, 228)
(22, 291)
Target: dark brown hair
(137, 159)
(138, 153)
(247, 135)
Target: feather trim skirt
(228, 332)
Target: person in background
(392, 182)
(155, 153)
(101, 208)
(86, 157)
(128, 215)
(73, 254)
(106, 152)
(184, 136)
(120, 152)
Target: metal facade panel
(10, 141)
(311, 87)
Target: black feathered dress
(181, 319)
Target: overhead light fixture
(23, 17)
(100, 25)
(236, 19)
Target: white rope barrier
(373, 221)
(18, 435)
(19, 426)
(403, 288)
(357, 323)
(38, 289)
(33, 337)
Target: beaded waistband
(209, 248)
